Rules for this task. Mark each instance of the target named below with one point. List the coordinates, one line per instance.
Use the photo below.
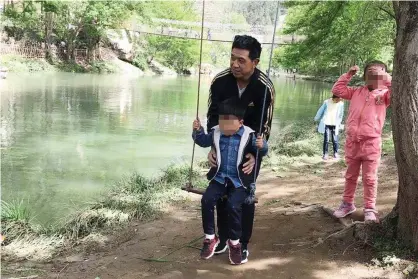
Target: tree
(405, 121)
(77, 23)
(178, 54)
(367, 27)
(256, 12)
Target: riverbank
(287, 200)
(136, 198)
(19, 64)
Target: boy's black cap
(232, 106)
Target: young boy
(232, 141)
(330, 115)
(363, 148)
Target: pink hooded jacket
(367, 111)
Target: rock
(122, 43)
(159, 69)
(409, 269)
(74, 258)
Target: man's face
(229, 124)
(241, 64)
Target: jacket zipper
(239, 177)
(242, 158)
(361, 114)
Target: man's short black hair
(373, 63)
(335, 97)
(232, 106)
(249, 43)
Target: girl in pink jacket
(366, 118)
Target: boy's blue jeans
(236, 197)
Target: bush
(140, 61)
(101, 67)
(18, 64)
(297, 139)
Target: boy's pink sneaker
(344, 210)
(370, 216)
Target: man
(247, 82)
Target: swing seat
(189, 188)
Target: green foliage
(140, 61)
(338, 34)
(15, 219)
(77, 23)
(256, 12)
(18, 64)
(297, 139)
(178, 54)
(14, 211)
(71, 67)
(101, 67)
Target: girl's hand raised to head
(353, 70)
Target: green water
(66, 137)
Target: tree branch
(392, 15)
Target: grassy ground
(18, 64)
(136, 197)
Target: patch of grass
(388, 248)
(18, 64)
(102, 67)
(15, 220)
(133, 197)
(14, 211)
(297, 139)
(388, 146)
(71, 67)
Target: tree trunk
(48, 31)
(405, 120)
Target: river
(65, 138)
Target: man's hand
(212, 158)
(259, 142)
(353, 70)
(249, 165)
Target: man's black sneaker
(244, 256)
(221, 248)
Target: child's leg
(222, 221)
(334, 138)
(353, 161)
(372, 153)
(212, 194)
(370, 183)
(351, 177)
(236, 199)
(326, 139)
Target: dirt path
(287, 224)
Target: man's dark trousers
(248, 211)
